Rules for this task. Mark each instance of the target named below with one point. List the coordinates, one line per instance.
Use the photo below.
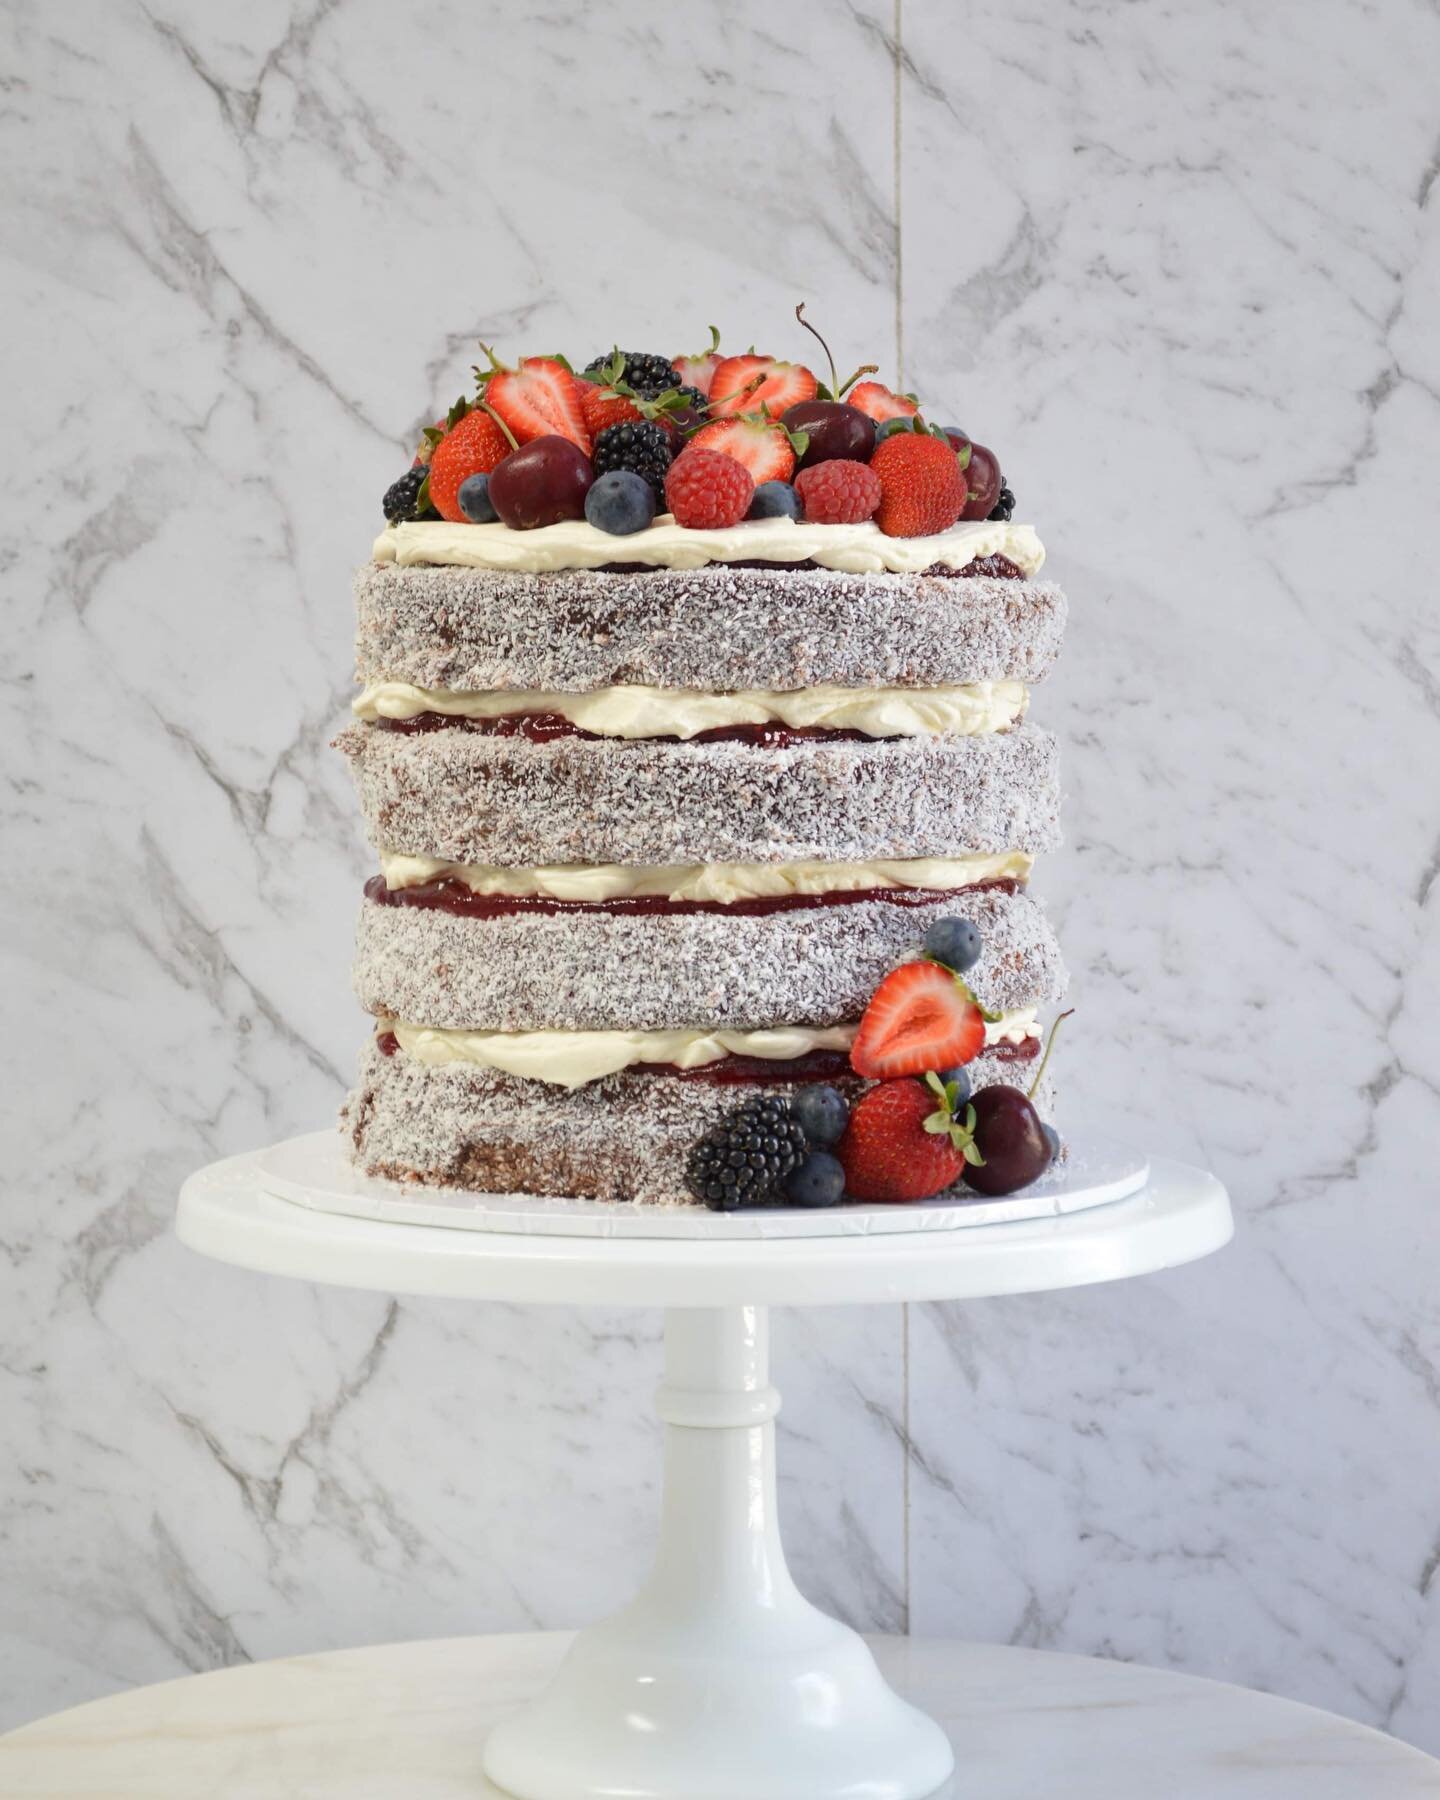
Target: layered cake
(688, 707)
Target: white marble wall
(1179, 264)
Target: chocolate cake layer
(590, 970)
(715, 628)
(467, 797)
(623, 1138)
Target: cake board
(720, 1680)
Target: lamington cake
(693, 695)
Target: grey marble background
(1178, 262)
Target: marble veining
(1182, 275)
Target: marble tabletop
(369, 1724)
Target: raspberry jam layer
(759, 1071)
(1000, 566)
(451, 896)
(544, 728)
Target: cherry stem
(1049, 1046)
(485, 407)
(834, 378)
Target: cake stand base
(720, 1679)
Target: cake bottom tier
(621, 1138)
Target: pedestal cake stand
(720, 1679)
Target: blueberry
(819, 1181)
(954, 942)
(888, 428)
(1052, 1138)
(474, 500)
(620, 501)
(953, 431)
(821, 1113)
(961, 1078)
(774, 500)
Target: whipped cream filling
(647, 712)
(570, 1059)
(716, 882)
(576, 544)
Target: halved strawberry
(758, 383)
(920, 1017)
(539, 399)
(698, 371)
(876, 400)
(761, 445)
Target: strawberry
(920, 1017)
(903, 1142)
(922, 487)
(472, 446)
(758, 383)
(876, 400)
(602, 407)
(760, 445)
(699, 371)
(539, 399)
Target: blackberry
(401, 495)
(644, 449)
(693, 397)
(648, 375)
(746, 1159)
(1004, 507)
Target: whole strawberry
(904, 1141)
(922, 488)
(706, 490)
(472, 446)
(838, 492)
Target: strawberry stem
(1049, 1046)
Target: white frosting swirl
(570, 1059)
(634, 711)
(576, 544)
(719, 882)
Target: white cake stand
(720, 1680)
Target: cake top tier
(646, 460)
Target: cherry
(982, 477)
(541, 483)
(837, 432)
(1010, 1136)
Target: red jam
(451, 896)
(980, 565)
(544, 728)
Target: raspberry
(838, 493)
(706, 490)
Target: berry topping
(1004, 508)
(685, 409)
(539, 399)
(642, 447)
(903, 1142)
(706, 490)
(833, 430)
(402, 497)
(1010, 1137)
(922, 487)
(603, 407)
(953, 942)
(474, 445)
(888, 427)
(746, 1159)
(822, 1113)
(475, 501)
(648, 375)
(699, 370)
(838, 493)
(774, 500)
(620, 502)
(1052, 1138)
(919, 1018)
(957, 1085)
(875, 399)
(752, 384)
(541, 483)
(982, 481)
(761, 445)
(819, 1181)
